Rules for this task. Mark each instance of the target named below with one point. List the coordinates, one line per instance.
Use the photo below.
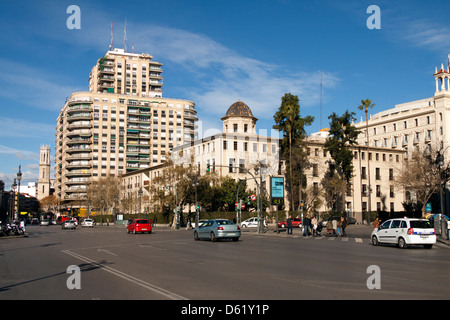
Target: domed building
(239, 118)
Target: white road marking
(149, 286)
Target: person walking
(329, 228)
(334, 223)
(306, 226)
(339, 227)
(314, 226)
(376, 223)
(343, 226)
(289, 225)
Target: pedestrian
(306, 226)
(329, 228)
(339, 227)
(334, 223)
(289, 225)
(314, 226)
(343, 226)
(376, 223)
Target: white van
(404, 232)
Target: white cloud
(223, 75)
(42, 89)
(19, 128)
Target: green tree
(288, 120)
(342, 135)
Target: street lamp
(195, 184)
(439, 163)
(13, 201)
(140, 192)
(19, 177)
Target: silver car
(218, 229)
(68, 224)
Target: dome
(239, 109)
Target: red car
(139, 225)
(296, 223)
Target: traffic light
(248, 200)
(207, 167)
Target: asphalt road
(170, 265)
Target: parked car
(404, 232)
(139, 225)
(218, 229)
(200, 222)
(68, 224)
(252, 223)
(35, 221)
(296, 223)
(89, 223)
(45, 222)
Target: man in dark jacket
(289, 225)
(306, 226)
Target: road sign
(253, 197)
(236, 204)
(243, 206)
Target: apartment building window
(245, 146)
(235, 145)
(391, 191)
(224, 144)
(315, 170)
(363, 173)
(378, 190)
(391, 174)
(245, 127)
(241, 165)
(235, 127)
(364, 190)
(377, 174)
(316, 188)
(231, 163)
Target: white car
(251, 223)
(87, 223)
(404, 232)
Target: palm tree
(365, 105)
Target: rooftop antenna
(125, 36)
(111, 46)
(321, 99)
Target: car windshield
(224, 222)
(142, 221)
(422, 224)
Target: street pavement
(168, 264)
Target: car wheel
(375, 241)
(196, 236)
(428, 246)
(212, 236)
(402, 243)
(236, 239)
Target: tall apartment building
(417, 125)
(121, 124)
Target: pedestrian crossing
(320, 238)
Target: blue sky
(215, 52)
